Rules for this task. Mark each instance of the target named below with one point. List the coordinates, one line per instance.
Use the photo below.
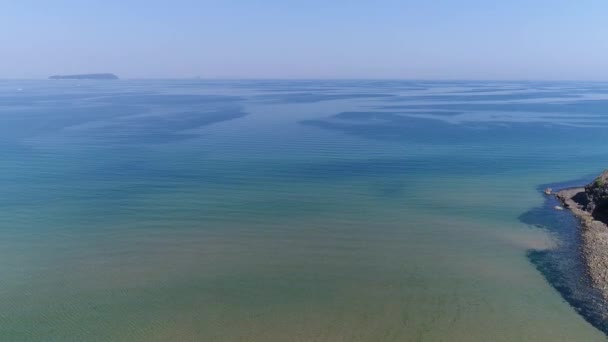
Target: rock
(548, 191)
(590, 206)
(597, 198)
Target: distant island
(85, 77)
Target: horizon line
(195, 78)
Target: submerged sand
(594, 237)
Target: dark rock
(596, 194)
(581, 199)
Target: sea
(296, 210)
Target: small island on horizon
(102, 76)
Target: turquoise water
(194, 210)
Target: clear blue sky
(467, 39)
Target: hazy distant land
(104, 76)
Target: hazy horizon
(470, 39)
(310, 79)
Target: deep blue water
(276, 210)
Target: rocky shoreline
(588, 205)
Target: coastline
(594, 239)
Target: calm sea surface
(194, 210)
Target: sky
(337, 39)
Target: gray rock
(596, 194)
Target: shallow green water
(287, 210)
